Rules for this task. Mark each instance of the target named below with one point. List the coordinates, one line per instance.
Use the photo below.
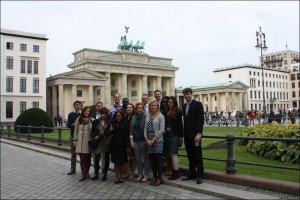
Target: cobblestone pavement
(27, 174)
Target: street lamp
(261, 45)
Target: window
(293, 77)
(23, 47)
(36, 48)
(9, 109)
(251, 96)
(22, 85)
(276, 76)
(22, 106)
(274, 84)
(258, 83)
(298, 76)
(293, 85)
(258, 94)
(254, 73)
(29, 66)
(293, 94)
(98, 92)
(229, 75)
(79, 93)
(257, 73)
(35, 104)
(249, 72)
(23, 63)
(36, 67)
(270, 75)
(279, 76)
(9, 84)
(266, 83)
(9, 63)
(35, 86)
(254, 94)
(9, 45)
(285, 62)
(215, 98)
(267, 95)
(287, 96)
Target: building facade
(276, 85)
(280, 59)
(23, 73)
(295, 84)
(228, 96)
(97, 74)
(287, 60)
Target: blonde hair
(150, 104)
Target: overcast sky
(199, 36)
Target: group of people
(141, 136)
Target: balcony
(273, 60)
(272, 99)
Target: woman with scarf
(138, 143)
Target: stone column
(240, 101)
(172, 86)
(201, 99)
(233, 101)
(107, 101)
(145, 85)
(218, 101)
(124, 86)
(91, 95)
(54, 101)
(61, 101)
(226, 100)
(102, 99)
(209, 102)
(74, 93)
(158, 83)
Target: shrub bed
(275, 150)
(34, 117)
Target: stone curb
(251, 181)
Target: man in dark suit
(71, 120)
(193, 117)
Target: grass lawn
(239, 151)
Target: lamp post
(261, 45)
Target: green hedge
(34, 117)
(275, 150)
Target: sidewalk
(209, 187)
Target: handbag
(93, 144)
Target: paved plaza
(27, 174)
(34, 171)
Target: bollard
(9, 131)
(59, 142)
(42, 134)
(18, 132)
(230, 162)
(29, 133)
(2, 130)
